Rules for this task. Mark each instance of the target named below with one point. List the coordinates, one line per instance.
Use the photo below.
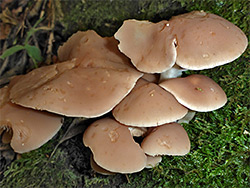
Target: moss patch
(35, 169)
(105, 16)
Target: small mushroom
(113, 147)
(205, 40)
(148, 105)
(31, 129)
(150, 46)
(196, 92)
(167, 139)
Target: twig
(127, 178)
(33, 35)
(75, 122)
(34, 11)
(4, 65)
(51, 35)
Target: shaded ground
(220, 153)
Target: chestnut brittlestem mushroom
(148, 105)
(167, 139)
(31, 129)
(197, 93)
(113, 147)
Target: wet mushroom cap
(99, 169)
(150, 46)
(167, 139)
(31, 129)
(84, 44)
(113, 147)
(196, 92)
(148, 105)
(206, 40)
(80, 87)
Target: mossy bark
(106, 16)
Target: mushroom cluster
(135, 75)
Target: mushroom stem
(188, 117)
(137, 131)
(174, 72)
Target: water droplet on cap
(113, 135)
(205, 55)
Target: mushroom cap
(196, 92)
(206, 40)
(79, 87)
(167, 139)
(113, 147)
(148, 105)
(150, 46)
(31, 128)
(84, 44)
(99, 169)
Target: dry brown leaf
(5, 30)
(8, 18)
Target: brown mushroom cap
(99, 169)
(148, 105)
(167, 139)
(150, 46)
(196, 92)
(31, 128)
(79, 87)
(206, 40)
(113, 147)
(84, 44)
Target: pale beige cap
(196, 92)
(99, 169)
(80, 88)
(148, 105)
(84, 44)
(167, 139)
(206, 40)
(150, 46)
(113, 147)
(31, 129)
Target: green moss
(35, 169)
(106, 16)
(93, 182)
